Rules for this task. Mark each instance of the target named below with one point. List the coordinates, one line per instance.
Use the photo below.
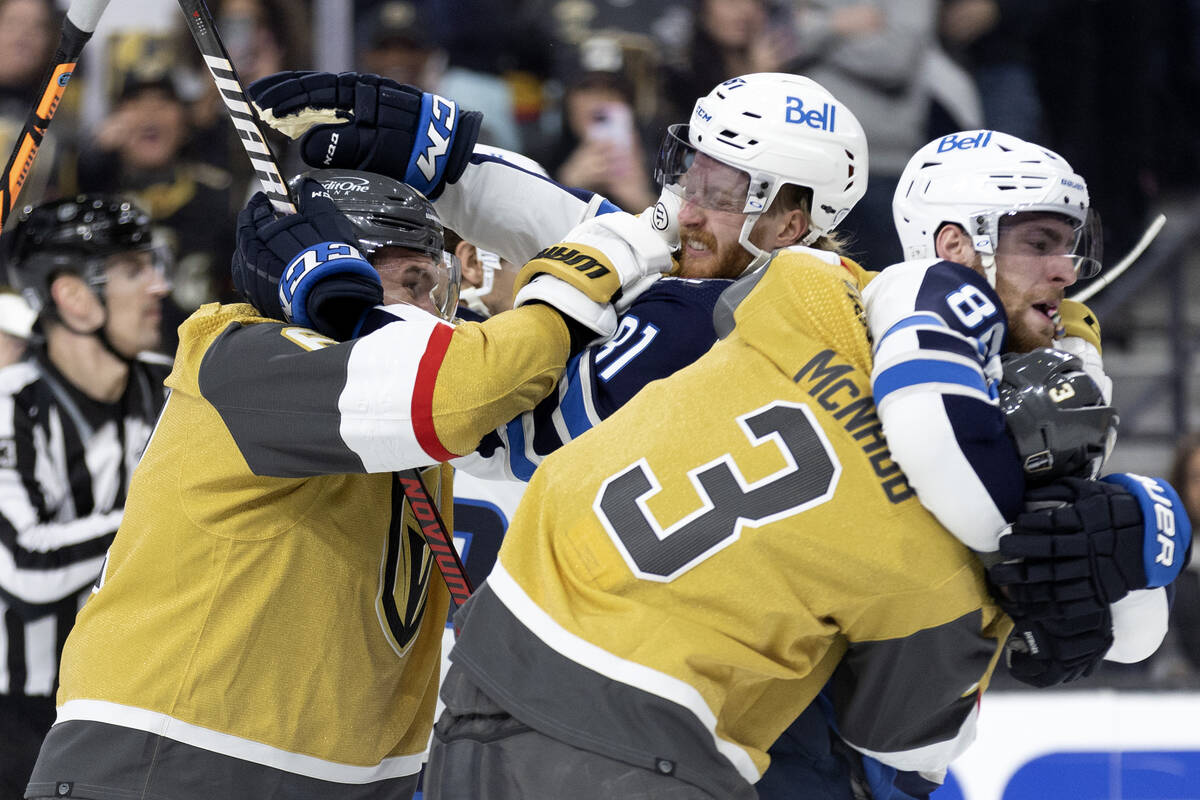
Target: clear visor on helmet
(151, 263)
(1044, 232)
(427, 281)
(701, 180)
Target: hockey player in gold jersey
(269, 618)
(681, 581)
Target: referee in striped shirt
(75, 416)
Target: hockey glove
(1080, 336)
(607, 260)
(1085, 544)
(364, 121)
(1048, 652)
(304, 267)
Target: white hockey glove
(596, 271)
(664, 217)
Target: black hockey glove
(304, 267)
(1084, 545)
(364, 121)
(1048, 652)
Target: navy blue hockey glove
(304, 267)
(1048, 652)
(364, 121)
(1084, 545)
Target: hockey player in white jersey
(996, 230)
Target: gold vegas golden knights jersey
(680, 582)
(269, 619)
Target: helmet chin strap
(760, 256)
(988, 260)
(101, 333)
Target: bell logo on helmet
(824, 120)
(955, 142)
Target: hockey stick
(266, 166)
(1133, 255)
(444, 551)
(77, 28)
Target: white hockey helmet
(778, 128)
(977, 179)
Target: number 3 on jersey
(729, 502)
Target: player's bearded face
(710, 220)
(712, 250)
(1032, 275)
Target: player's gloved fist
(364, 121)
(304, 267)
(603, 262)
(1082, 545)
(1051, 651)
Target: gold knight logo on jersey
(405, 569)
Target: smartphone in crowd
(612, 122)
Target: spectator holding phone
(600, 147)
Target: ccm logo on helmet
(823, 120)
(953, 142)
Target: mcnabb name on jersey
(827, 383)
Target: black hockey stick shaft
(266, 166)
(245, 119)
(77, 28)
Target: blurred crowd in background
(587, 88)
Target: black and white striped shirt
(65, 463)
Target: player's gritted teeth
(697, 242)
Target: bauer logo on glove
(1168, 530)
